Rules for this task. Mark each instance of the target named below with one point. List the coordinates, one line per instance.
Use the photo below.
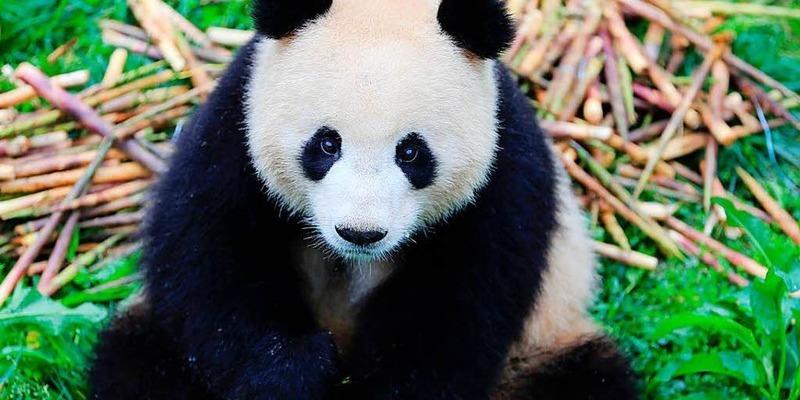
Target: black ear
(278, 18)
(480, 26)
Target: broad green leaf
(713, 322)
(36, 309)
(766, 300)
(724, 363)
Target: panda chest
(336, 291)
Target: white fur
(374, 71)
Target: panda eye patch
(416, 160)
(320, 153)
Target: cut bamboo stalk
(32, 200)
(725, 8)
(560, 129)
(649, 227)
(564, 75)
(87, 116)
(781, 216)
(680, 146)
(639, 155)
(117, 39)
(59, 163)
(647, 132)
(656, 211)
(113, 206)
(25, 92)
(123, 28)
(114, 220)
(148, 16)
(593, 106)
(116, 66)
(184, 25)
(614, 229)
(59, 251)
(627, 257)
(61, 50)
(120, 173)
(747, 264)
(155, 121)
(229, 37)
(197, 73)
(135, 99)
(708, 259)
(677, 118)
(704, 43)
(709, 172)
(105, 196)
(652, 40)
(83, 261)
(614, 86)
(31, 252)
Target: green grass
(45, 347)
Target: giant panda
(365, 208)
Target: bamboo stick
(709, 172)
(113, 206)
(59, 252)
(628, 257)
(32, 200)
(116, 66)
(708, 259)
(229, 37)
(83, 261)
(677, 118)
(105, 196)
(158, 31)
(745, 263)
(117, 39)
(614, 86)
(114, 220)
(87, 116)
(781, 216)
(562, 129)
(59, 163)
(25, 92)
(31, 252)
(649, 227)
(125, 29)
(614, 229)
(119, 173)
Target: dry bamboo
(708, 259)
(59, 251)
(87, 116)
(105, 196)
(677, 118)
(116, 66)
(114, 220)
(781, 216)
(25, 92)
(113, 206)
(229, 37)
(747, 264)
(628, 257)
(614, 229)
(575, 131)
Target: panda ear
(482, 27)
(278, 18)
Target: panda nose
(359, 237)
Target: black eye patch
(416, 160)
(320, 153)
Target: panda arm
(442, 326)
(219, 277)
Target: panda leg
(592, 370)
(135, 361)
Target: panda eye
(407, 152)
(330, 143)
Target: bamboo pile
(620, 118)
(624, 123)
(84, 161)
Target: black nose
(360, 237)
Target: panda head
(374, 119)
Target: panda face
(371, 123)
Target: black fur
(314, 160)
(422, 170)
(278, 18)
(594, 370)
(228, 308)
(481, 26)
